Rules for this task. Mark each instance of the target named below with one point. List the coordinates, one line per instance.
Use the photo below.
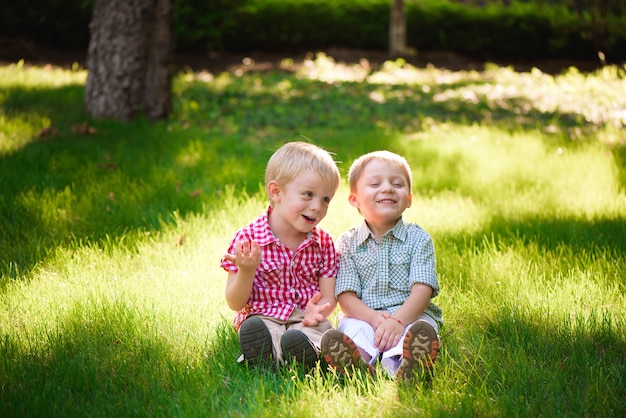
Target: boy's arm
(247, 257)
(415, 304)
(390, 331)
(238, 289)
(327, 289)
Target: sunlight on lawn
(476, 164)
(20, 75)
(19, 130)
(29, 125)
(183, 297)
(112, 295)
(598, 98)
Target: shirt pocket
(308, 272)
(270, 275)
(366, 268)
(399, 271)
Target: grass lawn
(112, 299)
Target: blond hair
(294, 158)
(357, 167)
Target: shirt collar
(262, 232)
(399, 231)
(266, 237)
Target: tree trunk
(129, 59)
(397, 29)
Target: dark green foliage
(523, 30)
(487, 29)
(279, 24)
(201, 25)
(63, 24)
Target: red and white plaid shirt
(285, 280)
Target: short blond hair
(294, 158)
(357, 167)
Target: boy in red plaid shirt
(282, 267)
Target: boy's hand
(378, 318)
(388, 334)
(313, 313)
(247, 255)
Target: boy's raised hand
(313, 312)
(247, 255)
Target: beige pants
(278, 327)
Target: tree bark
(129, 59)
(397, 29)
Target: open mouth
(387, 201)
(309, 219)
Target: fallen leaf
(84, 129)
(47, 133)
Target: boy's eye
(308, 194)
(327, 200)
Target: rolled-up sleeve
(423, 263)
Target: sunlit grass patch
(515, 173)
(15, 132)
(16, 75)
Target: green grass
(111, 295)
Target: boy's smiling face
(299, 205)
(382, 193)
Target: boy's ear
(410, 200)
(273, 191)
(352, 200)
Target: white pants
(362, 334)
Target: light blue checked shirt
(382, 273)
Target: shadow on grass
(104, 362)
(583, 237)
(109, 360)
(527, 362)
(573, 365)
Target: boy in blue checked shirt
(387, 277)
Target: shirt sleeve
(347, 276)
(423, 263)
(329, 255)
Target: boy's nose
(386, 186)
(316, 205)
